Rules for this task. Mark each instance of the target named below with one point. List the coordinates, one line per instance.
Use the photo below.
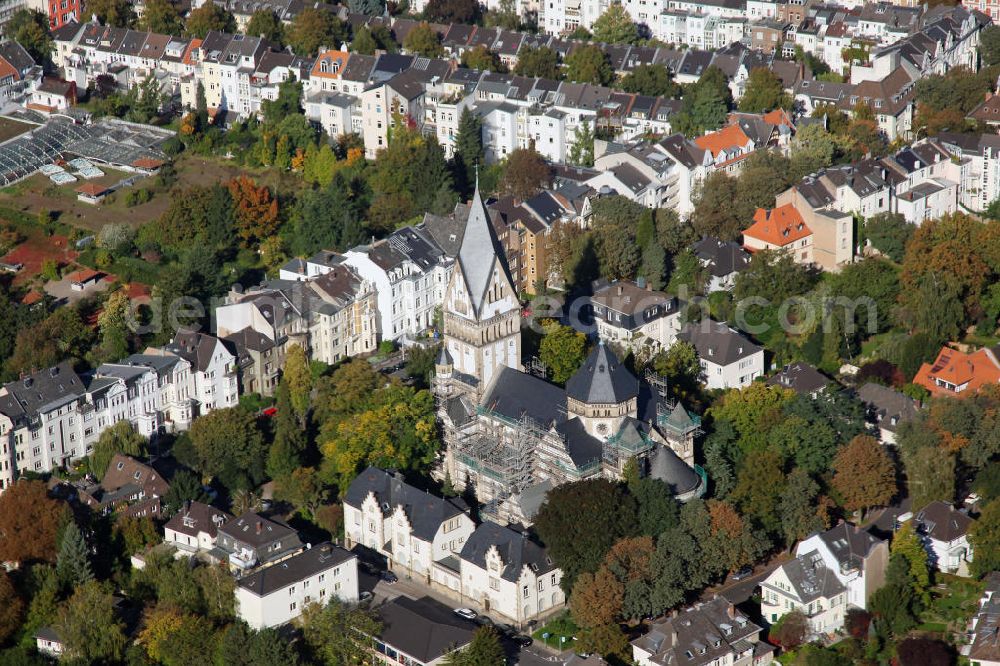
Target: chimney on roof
(731, 611)
(260, 526)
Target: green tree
(888, 233)
(207, 18)
(285, 454)
(812, 149)
(119, 438)
(540, 62)
(615, 26)
(581, 153)
(562, 350)
(906, 544)
(423, 40)
(589, 64)
(367, 7)
(484, 650)
(73, 563)
(799, 509)
(299, 378)
(364, 42)
(615, 231)
(265, 23)
(482, 59)
(930, 475)
(764, 92)
(773, 275)
(984, 535)
(161, 16)
(89, 626)
(989, 46)
(112, 12)
(315, 27)
(679, 365)
(329, 217)
(651, 80)
(240, 645)
(230, 446)
(760, 483)
(413, 170)
(579, 546)
(184, 487)
(329, 632)
(30, 29)
(469, 152)
(705, 104)
(657, 509)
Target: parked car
(365, 596)
(745, 572)
(523, 641)
(484, 620)
(466, 613)
(389, 578)
(507, 629)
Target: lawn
(559, 632)
(953, 601)
(11, 128)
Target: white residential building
(195, 527)
(277, 594)
(410, 527)
(854, 556)
(807, 585)
(944, 531)
(636, 318)
(728, 360)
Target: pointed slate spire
(602, 379)
(480, 252)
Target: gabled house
(857, 558)
(944, 530)
(781, 228)
(959, 374)
(253, 540)
(421, 632)
(213, 368)
(276, 594)
(887, 409)
(801, 378)
(195, 527)
(412, 528)
(129, 488)
(728, 360)
(983, 648)
(507, 572)
(634, 317)
(713, 632)
(805, 584)
(723, 260)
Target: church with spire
(510, 436)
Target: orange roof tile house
(958, 374)
(729, 146)
(780, 228)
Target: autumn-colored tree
(864, 474)
(596, 599)
(984, 535)
(89, 627)
(30, 521)
(753, 411)
(159, 623)
(790, 630)
(907, 544)
(11, 608)
(330, 517)
(254, 209)
(524, 174)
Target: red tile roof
(959, 369)
(730, 136)
(780, 226)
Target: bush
(172, 146)
(137, 197)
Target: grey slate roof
(810, 577)
(41, 391)
(602, 379)
(942, 522)
(721, 257)
(515, 394)
(305, 564)
(709, 631)
(517, 550)
(424, 629)
(425, 512)
(800, 377)
(195, 517)
(665, 466)
(849, 544)
(718, 343)
(480, 253)
(582, 447)
(244, 530)
(887, 407)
